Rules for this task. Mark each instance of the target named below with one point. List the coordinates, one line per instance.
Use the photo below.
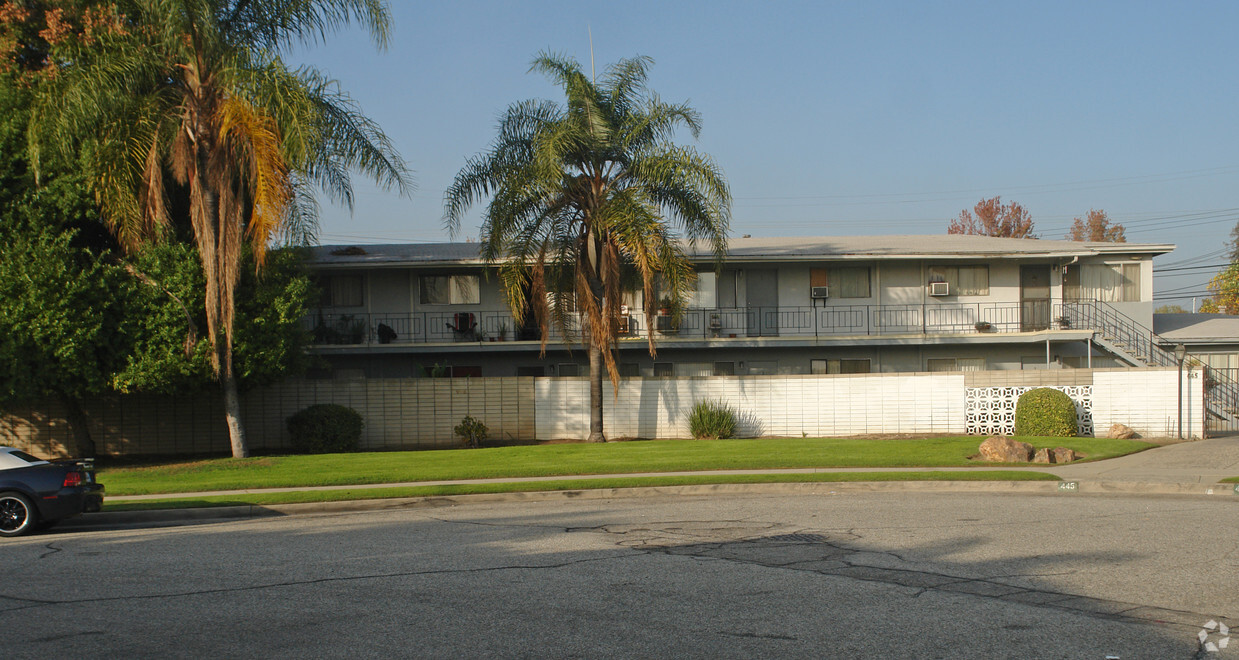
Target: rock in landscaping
(1043, 455)
(1121, 432)
(1064, 455)
(1001, 449)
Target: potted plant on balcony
(664, 306)
(983, 326)
(503, 332)
(1063, 322)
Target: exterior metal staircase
(1128, 340)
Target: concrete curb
(232, 513)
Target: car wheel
(17, 516)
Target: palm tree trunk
(595, 395)
(232, 411)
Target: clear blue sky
(837, 118)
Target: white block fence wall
(420, 413)
(1144, 399)
(767, 405)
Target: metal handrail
(460, 325)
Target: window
(466, 371)
(724, 368)
(569, 369)
(535, 372)
(955, 364)
(850, 282)
(449, 290)
(763, 368)
(851, 366)
(664, 370)
(629, 370)
(1082, 362)
(1103, 282)
(342, 291)
(963, 280)
(726, 289)
(694, 369)
(970, 364)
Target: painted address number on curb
(1069, 486)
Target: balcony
(458, 326)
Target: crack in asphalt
(32, 603)
(50, 546)
(840, 560)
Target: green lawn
(1232, 480)
(571, 459)
(305, 496)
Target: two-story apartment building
(848, 304)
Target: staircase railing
(1119, 329)
(1125, 333)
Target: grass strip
(572, 459)
(297, 497)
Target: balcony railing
(710, 323)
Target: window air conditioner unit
(939, 289)
(819, 292)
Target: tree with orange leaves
(990, 217)
(1097, 228)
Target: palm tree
(585, 192)
(190, 100)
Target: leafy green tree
(584, 190)
(190, 99)
(1225, 288)
(61, 333)
(167, 290)
(1170, 309)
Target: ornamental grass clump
(1046, 412)
(710, 420)
(325, 428)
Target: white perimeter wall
(767, 405)
(1145, 400)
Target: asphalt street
(829, 574)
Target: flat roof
(1197, 328)
(807, 248)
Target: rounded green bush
(325, 428)
(1046, 412)
(709, 420)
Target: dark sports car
(36, 494)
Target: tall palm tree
(190, 99)
(582, 193)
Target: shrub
(1045, 412)
(325, 428)
(709, 420)
(471, 431)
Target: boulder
(1044, 455)
(1121, 431)
(1064, 455)
(1001, 449)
